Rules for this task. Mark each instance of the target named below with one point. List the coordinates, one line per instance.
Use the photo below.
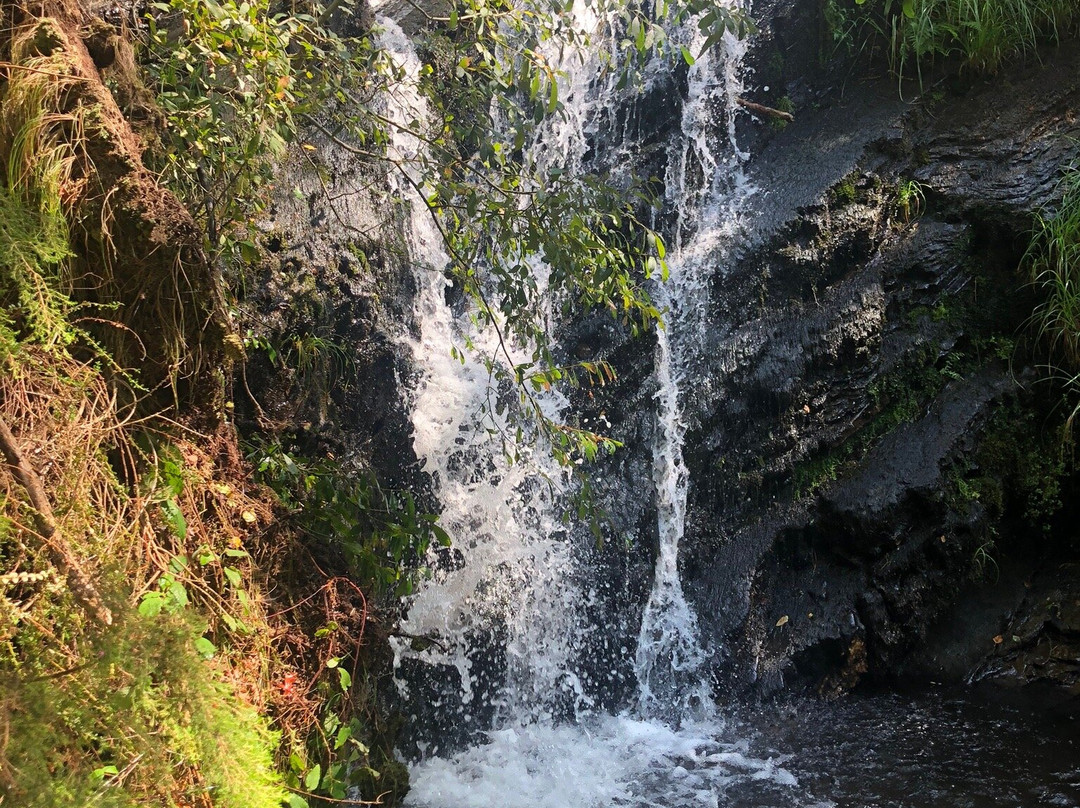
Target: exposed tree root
(78, 581)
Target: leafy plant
(910, 199)
(146, 715)
(983, 561)
(382, 533)
(1054, 260)
(223, 75)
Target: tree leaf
(205, 648)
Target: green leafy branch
(238, 80)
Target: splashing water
(502, 620)
(669, 658)
(495, 581)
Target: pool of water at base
(984, 748)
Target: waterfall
(512, 574)
(669, 657)
(487, 649)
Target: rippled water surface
(930, 750)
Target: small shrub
(910, 199)
(382, 533)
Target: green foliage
(34, 246)
(339, 757)
(983, 562)
(845, 191)
(1054, 261)
(982, 34)
(499, 211)
(784, 104)
(238, 80)
(223, 75)
(142, 714)
(382, 534)
(1015, 473)
(910, 199)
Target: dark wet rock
(866, 352)
(1039, 639)
(410, 15)
(852, 383)
(323, 318)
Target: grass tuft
(1054, 261)
(982, 34)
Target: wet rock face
(866, 347)
(411, 16)
(333, 293)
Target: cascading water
(502, 516)
(501, 624)
(669, 656)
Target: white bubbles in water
(609, 762)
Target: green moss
(897, 397)
(1016, 471)
(946, 310)
(359, 252)
(845, 192)
(144, 708)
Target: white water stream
(669, 656)
(505, 615)
(502, 517)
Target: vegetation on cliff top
(979, 34)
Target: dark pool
(927, 749)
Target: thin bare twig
(81, 586)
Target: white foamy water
(505, 617)
(606, 761)
(513, 568)
(669, 657)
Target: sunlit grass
(1054, 258)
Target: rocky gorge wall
(873, 456)
(873, 449)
